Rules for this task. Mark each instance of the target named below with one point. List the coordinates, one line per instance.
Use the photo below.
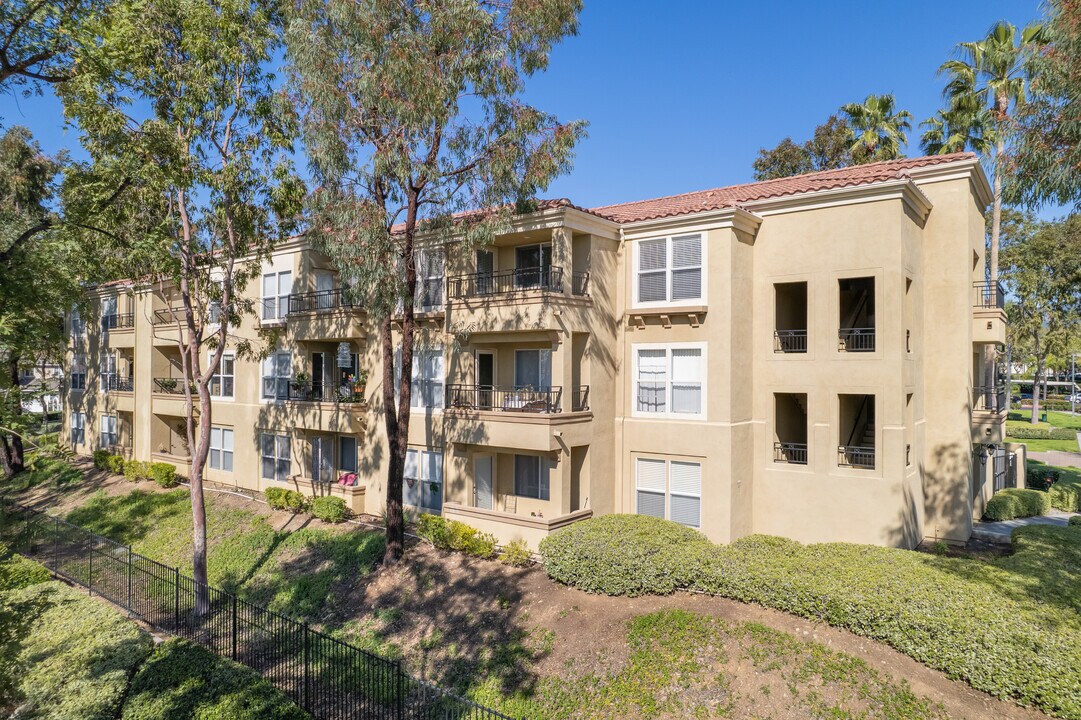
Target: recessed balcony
(324, 315)
(988, 414)
(518, 418)
(988, 313)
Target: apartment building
(804, 357)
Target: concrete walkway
(999, 532)
(1058, 457)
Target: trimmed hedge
(283, 499)
(329, 509)
(101, 459)
(1017, 503)
(17, 572)
(1041, 478)
(182, 680)
(1010, 626)
(164, 474)
(1020, 432)
(136, 470)
(1074, 520)
(115, 464)
(72, 655)
(453, 535)
(621, 554)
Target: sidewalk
(999, 532)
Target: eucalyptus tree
(412, 112)
(38, 39)
(993, 73)
(877, 128)
(178, 110)
(1047, 158)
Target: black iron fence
(856, 339)
(115, 321)
(170, 386)
(111, 382)
(792, 453)
(343, 392)
(168, 316)
(319, 300)
(989, 295)
(790, 341)
(331, 679)
(856, 456)
(546, 278)
(989, 399)
(505, 398)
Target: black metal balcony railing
(321, 392)
(789, 341)
(857, 456)
(170, 386)
(500, 398)
(319, 301)
(168, 316)
(856, 339)
(580, 398)
(792, 453)
(989, 399)
(548, 278)
(116, 383)
(120, 321)
(989, 294)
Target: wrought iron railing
(502, 398)
(989, 294)
(792, 453)
(324, 392)
(319, 301)
(168, 316)
(579, 282)
(789, 341)
(118, 321)
(857, 456)
(989, 399)
(856, 339)
(170, 386)
(580, 398)
(116, 383)
(327, 677)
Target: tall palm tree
(992, 73)
(878, 129)
(965, 125)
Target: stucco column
(563, 369)
(559, 481)
(562, 254)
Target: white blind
(687, 251)
(651, 475)
(685, 510)
(687, 380)
(652, 255)
(686, 478)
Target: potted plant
(167, 384)
(361, 383)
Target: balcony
(988, 414)
(168, 396)
(320, 393)
(856, 340)
(856, 456)
(791, 453)
(123, 321)
(115, 383)
(324, 315)
(517, 418)
(526, 297)
(548, 279)
(789, 341)
(988, 313)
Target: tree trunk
(15, 459)
(396, 452)
(1036, 393)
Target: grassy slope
(1054, 419)
(295, 572)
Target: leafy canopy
(827, 149)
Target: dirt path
(449, 613)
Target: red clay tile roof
(733, 195)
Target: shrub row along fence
(327, 677)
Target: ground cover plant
(1010, 627)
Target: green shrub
(1021, 432)
(1009, 626)
(182, 680)
(516, 553)
(115, 464)
(1041, 478)
(283, 499)
(136, 470)
(329, 509)
(101, 459)
(163, 474)
(1074, 520)
(453, 535)
(17, 572)
(621, 554)
(1066, 494)
(1016, 503)
(72, 654)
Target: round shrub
(329, 509)
(115, 464)
(1015, 503)
(453, 535)
(623, 554)
(516, 553)
(136, 470)
(101, 459)
(1075, 520)
(164, 474)
(283, 499)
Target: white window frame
(78, 425)
(108, 419)
(218, 449)
(276, 457)
(417, 467)
(416, 398)
(668, 348)
(668, 302)
(668, 492)
(278, 378)
(77, 360)
(356, 454)
(218, 378)
(281, 300)
(425, 261)
(108, 369)
(110, 307)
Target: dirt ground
(446, 613)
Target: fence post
(307, 664)
(129, 582)
(234, 627)
(56, 544)
(90, 560)
(399, 693)
(176, 601)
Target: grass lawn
(1055, 419)
(1040, 445)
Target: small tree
(1041, 267)
(177, 107)
(413, 111)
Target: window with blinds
(669, 270)
(669, 380)
(669, 489)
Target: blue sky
(680, 95)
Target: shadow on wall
(946, 492)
